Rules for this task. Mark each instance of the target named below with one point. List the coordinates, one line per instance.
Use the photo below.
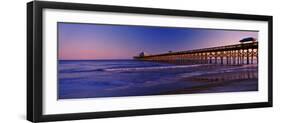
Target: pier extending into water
(243, 53)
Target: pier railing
(244, 53)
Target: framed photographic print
(95, 61)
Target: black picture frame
(35, 69)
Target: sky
(78, 41)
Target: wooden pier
(243, 53)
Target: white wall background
(13, 61)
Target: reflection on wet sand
(245, 79)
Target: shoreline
(220, 82)
(209, 88)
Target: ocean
(118, 78)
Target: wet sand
(223, 81)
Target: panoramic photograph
(104, 60)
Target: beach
(222, 82)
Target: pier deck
(243, 53)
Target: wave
(152, 68)
(243, 68)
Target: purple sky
(92, 41)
